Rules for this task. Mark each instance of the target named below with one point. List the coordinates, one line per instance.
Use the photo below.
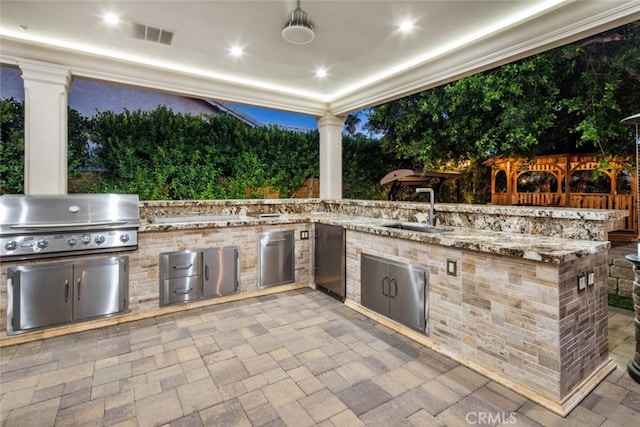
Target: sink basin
(194, 218)
(422, 228)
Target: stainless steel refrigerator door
(276, 263)
(329, 258)
(407, 290)
(100, 287)
(221, 269)
(42, 295)
(374, 284)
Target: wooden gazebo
(558, 180)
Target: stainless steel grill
(72, 224)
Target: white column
(330, 128)
(46, 88)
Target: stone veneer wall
(621, 276)
(144, 285)
(501, 314)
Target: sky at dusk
(267, 116)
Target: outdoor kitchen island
(511, 309)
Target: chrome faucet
(431, 203)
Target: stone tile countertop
(528, 246)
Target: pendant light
(298, 30)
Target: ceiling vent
(146, 32)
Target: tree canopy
(570, 99)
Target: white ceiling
(368, 59)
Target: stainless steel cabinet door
(220, 275)
(407, 295)
(42, 295)
(100, 288)
(329, 258)
(276, 262)
(374, 284)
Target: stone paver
(296, 359)
(88, 413)
(363, 397)
(158, 409)
(228, 413)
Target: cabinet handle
(79, 283)
(395, 288)
(183, 266)
(385, 280)
(66, 290)
(184, 291)
(281, 239)
(206, 272)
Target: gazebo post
(567, 182)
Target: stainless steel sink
(422, 228)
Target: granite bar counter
(528, 246)
(512, 310)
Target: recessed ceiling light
(236, 51)
(111, 19)
(321, 73)
(406, 26)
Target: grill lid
(49, 226)
(20, 214)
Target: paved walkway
(298, 359)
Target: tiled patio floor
(297, 358)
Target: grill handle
(75, 225)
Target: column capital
(43, 72)
(330, 120)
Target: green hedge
(162, 155)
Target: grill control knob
(124, 238)
(72, 241)
(11, 245)
(42, 243)
(99, 239)
(86, 239)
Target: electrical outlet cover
(452, 267)
(590, 278)
(582, 282)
